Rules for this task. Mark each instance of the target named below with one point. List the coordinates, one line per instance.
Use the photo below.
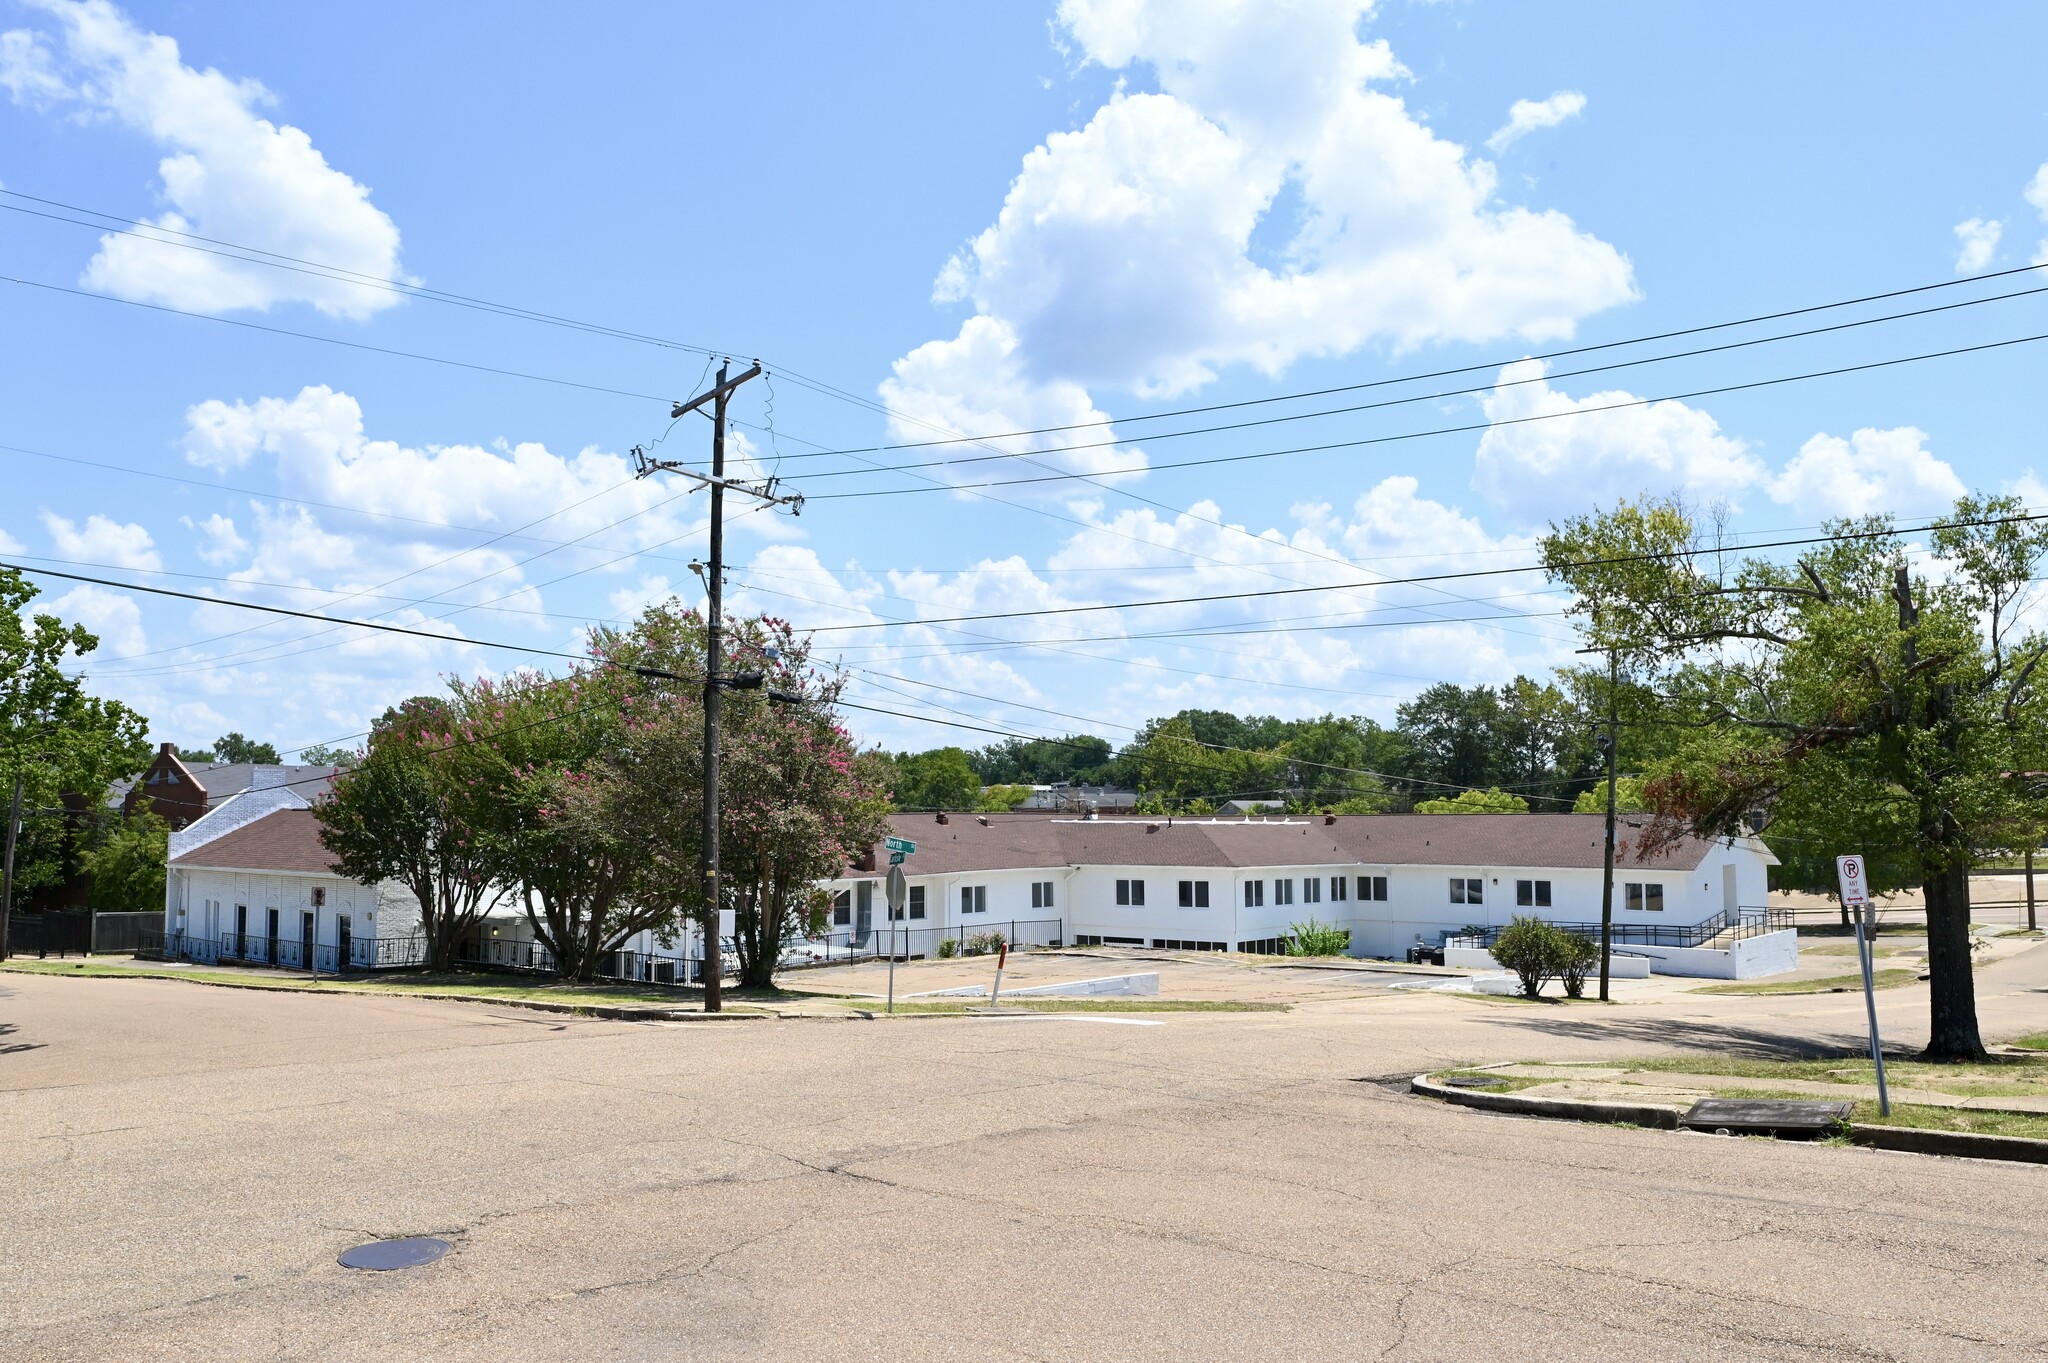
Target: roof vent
(942, 817)
(1329, 820)
(984, 821)
(1151, 828)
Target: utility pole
(715, 682)
(1607, 873)
(7, 875)
(1611, 742)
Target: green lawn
(1040, 1004)
(2005, 1078)
(2037, 1042)
(1828, 984)
(2014, 1077)
(510, 990)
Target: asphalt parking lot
(185, 1163)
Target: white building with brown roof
(250, 881)
(1392, 880)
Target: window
(1312, 890)
(1264, 946)
(1175, 944)
(1254, 894)
(842, 908)
(1646, 898)
(1532, 894)
(917, 901)
(1041, 894)
(1194, 894)
(1467, 891)
(973, 899)
(1130, 892)
(1338, 888)
(1379, 888)
(1283, 891)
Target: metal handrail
(1735, 924)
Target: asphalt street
(184, 1163)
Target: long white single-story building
(1392, 880)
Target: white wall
(387, 910)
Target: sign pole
(1002, 955)
(896, 893)
(1856, 894)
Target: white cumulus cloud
(113, 616)
(1976, 241)
(1143, 250)
(1527, 115)
(219, 541)
(103, 541)
(1549, 455)
(1871, 472)
(2037, 195)
(228, 173)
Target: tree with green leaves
(325, 755)
(233, 747)
(1876, 709)
(1494, 801)
(126, 863)
(798, 802)
(54, 738)
(411, 811)
(943, 778)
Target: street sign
(903, 845)
(898, 891)
(896, 858)
(1856, 895)
(1855, 888)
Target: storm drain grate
(381, 1256)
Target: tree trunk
(1951, 988)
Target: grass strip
(1829, 984)
(1069, 1005)
(427, 986)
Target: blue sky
(983, 218)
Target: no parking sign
(1855, 888)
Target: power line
(336, 340)
(1773, 382)
(252, 255)
(1480, 367)
(1406, 581)
(1492, 386)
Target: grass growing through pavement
(2017, 1077)
(1077, 1005)
(1883, 979)
(442, 986)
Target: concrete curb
(1912, 1140)
(1958, 1144)
(1661, 1118)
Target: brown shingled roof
(287, 840)
(1013, 841)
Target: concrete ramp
(1106, 986)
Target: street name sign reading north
(1855, 886)
(903, 845)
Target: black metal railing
(1731, 924)
(910, 939)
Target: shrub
(1315, 938)
(984, 943)
(948, 948)
(1531, 948)
(1575, 956)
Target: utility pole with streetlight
(715, 683)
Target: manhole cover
(384, 1255)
